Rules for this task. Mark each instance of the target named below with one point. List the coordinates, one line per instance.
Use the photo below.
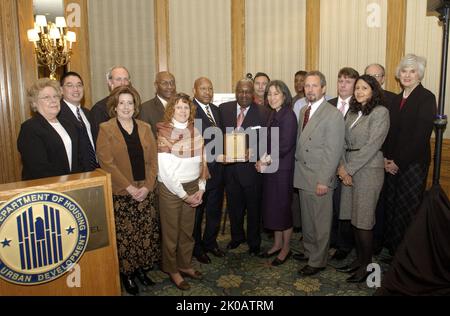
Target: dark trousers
(212, 206)
(239, 199)
(341, 230)
(378, 229)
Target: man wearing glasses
(377, 71)
(117, 76)
(152, 111)
(72, 111)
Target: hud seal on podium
(43, 234)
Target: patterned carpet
(239, 274)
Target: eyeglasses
(71, 86)
(49, 98)
(167, 84)
(376, 75)
(126, 80)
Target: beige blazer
(367, 135)
(113, 156)
(319, 148)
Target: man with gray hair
(320, 144)
(115, 77)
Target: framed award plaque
(235, 147)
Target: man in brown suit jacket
(152, 111)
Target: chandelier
(52, 43)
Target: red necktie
(306, 118)
(240, 117)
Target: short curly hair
(38, 86)
(170, 108)
(113, 100)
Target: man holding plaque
(242, 122)
(320, 144)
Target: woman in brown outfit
(182, 175)
(126, 148)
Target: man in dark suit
(377, 71)
(207, 114)
(117, 76)
(242, 182)
(152, 111)
(72, 111)
(341, 231)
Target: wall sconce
(52, 42)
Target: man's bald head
(203, 90)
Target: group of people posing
(357, 161)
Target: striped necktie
(209, 115)
(306, 118)
(84, 133)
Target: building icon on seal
(42, 235)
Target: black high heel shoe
(358, 277)
(143, 278)
(129, 284)
(277, 261)
(266, 254)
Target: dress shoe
(183, 285)
(197, 275)
(348, 268)
(308, 270)
(234, 244)
(217, 252)
(254, 251)
(277, 261)
(268, 255)
(129, 284)
(355, 278)
(300, 257)
(340, 254)
(143, 278)
(203, 258)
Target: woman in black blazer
(48, 146)
(407, 149)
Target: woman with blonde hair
(182, 179)
(48, 146)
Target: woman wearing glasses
(48, 146)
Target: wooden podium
(99, 268)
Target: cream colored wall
(275, 37)
(122, 33)
(424, 38)
(347, 40)
(200, 43)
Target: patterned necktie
(306, 118)
(240, 117)
(209, 115)
(342, 107)
(91, 152)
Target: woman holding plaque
(126, 148)
(277, 166)
(182, 179)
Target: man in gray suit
(320, 144)
(152, 111)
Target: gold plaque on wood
(235, 147)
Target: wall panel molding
(80, 61)
(312, 30)
(238, 47)
(395, 45)
(162, 35)
(13, 106)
